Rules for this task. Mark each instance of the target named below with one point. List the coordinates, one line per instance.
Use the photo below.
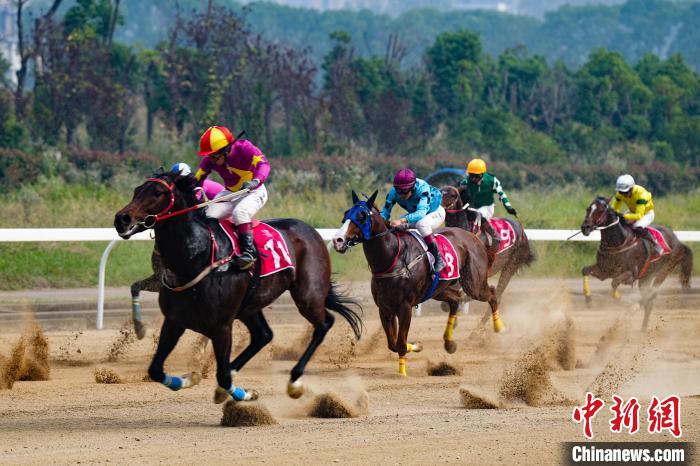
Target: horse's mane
(184, 184)
(605, 201)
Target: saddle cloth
(273, 253)
(449, 255)
(506, 233)
(660, 239)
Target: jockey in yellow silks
(640, 207)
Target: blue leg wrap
(237, 393)
(173, 382)
(136, 308)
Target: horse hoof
(140, 329)
(295, 389)
(589, 301)
(450, 346)
(251, 395)
(220, 395)
(445, 307)
(416, 347)
(498, 326)
(192, 379)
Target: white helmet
(181, 169)
(624, 183)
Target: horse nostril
(125, 219)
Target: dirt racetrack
(420, 419)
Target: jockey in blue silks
(422, 202)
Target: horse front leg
(221, 341)
(587, 272)
(170, 333)
(402, 347)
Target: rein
(150, 220)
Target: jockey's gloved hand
(252, 184)
(511, 210)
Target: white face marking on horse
(593, 207)
(339, 236)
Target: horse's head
(598, 215)
(357, 225)
(157, 196)
(451, 199)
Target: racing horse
(507, 261)
(624, 256)
(196, 251)
(401, 273)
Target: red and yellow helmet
(476, 167)
(214, 139)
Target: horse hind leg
(448, 335)
(151, 283)
(295, 387)
(170, 333)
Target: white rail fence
(16, 235)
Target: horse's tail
(336, 301)
(686, 266)
(530, 254)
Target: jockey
(242, 166)
(480, 187)
(422, 202)
(640, 205)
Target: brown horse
(191, 245)
(624, 256)
(507, 261)
(401, 273)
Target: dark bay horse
(508, 261)
(401, 273)
(623, 256)
(190, 244)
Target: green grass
(52, 203)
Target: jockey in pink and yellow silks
(242, 166)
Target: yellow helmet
(476, 167)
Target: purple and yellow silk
(243, 163)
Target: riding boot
(493, 241)
(646, 235)
(248, 253)
(439, 263)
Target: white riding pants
(645, 221)
(487, 211)
(432, 220)
(241, 210)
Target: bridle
(150, 220)
(609, 225)
(357, 238)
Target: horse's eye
(362, 216)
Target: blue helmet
(181, 169)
